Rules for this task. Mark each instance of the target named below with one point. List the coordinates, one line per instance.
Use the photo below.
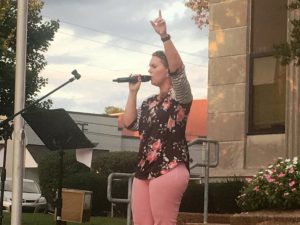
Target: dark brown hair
(162, 56)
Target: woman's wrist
(165, 37)
(133, 93)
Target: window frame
(251, 129)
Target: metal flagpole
(18, 153)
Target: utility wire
(117, 46)
(123, 37)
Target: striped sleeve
(135, 124)
(181, 87)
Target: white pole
(18, 154)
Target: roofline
(30, 180)
(105, 115)
(92, 114)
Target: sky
(107, 39)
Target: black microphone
(76, 74)
(133, 79)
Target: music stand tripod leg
(6, 133)
(3, 178)
(59, 188)
(58, 132)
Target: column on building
(293, 101)
(227, 82)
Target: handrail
(207, 165)
(119, 200)
(208, 141)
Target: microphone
(144, 78)
(76, 74)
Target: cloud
(113, 16)
(107, 39)
(66, 59)
(84, 96)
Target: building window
(267, 76)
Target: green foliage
(290, 50)
(48, 219)
(98, 185)
(192, 200)
(200, 7)
(39, 35)
(78, 176)
(295, 4)
(112, 109)
(91, 182)
(107, 163)
(221, 197)
(277, 187)
(49, 171)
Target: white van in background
(32, 198)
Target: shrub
(109, 162)
(192, 200)
(78, 176)
(91, 182)
(49, 169)
(98, 185)
(221, 197)
(277, 187)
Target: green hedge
(78, 176)
(49, 168)
(113, 162)
(222, 196)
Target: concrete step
(207, 224)
(197, 218)
(275, 217)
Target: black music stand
(58, 131)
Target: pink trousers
(157, 201)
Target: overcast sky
(106, 39)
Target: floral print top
(161, 125)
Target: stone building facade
(253, 101)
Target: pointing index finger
(159, 14)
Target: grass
(47, 219)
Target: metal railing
(120, 200)
(205, 145)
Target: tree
(112, 109)
(48, 171)
(78, 176)
(200, 7)
(39, 35)
(290, 50)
